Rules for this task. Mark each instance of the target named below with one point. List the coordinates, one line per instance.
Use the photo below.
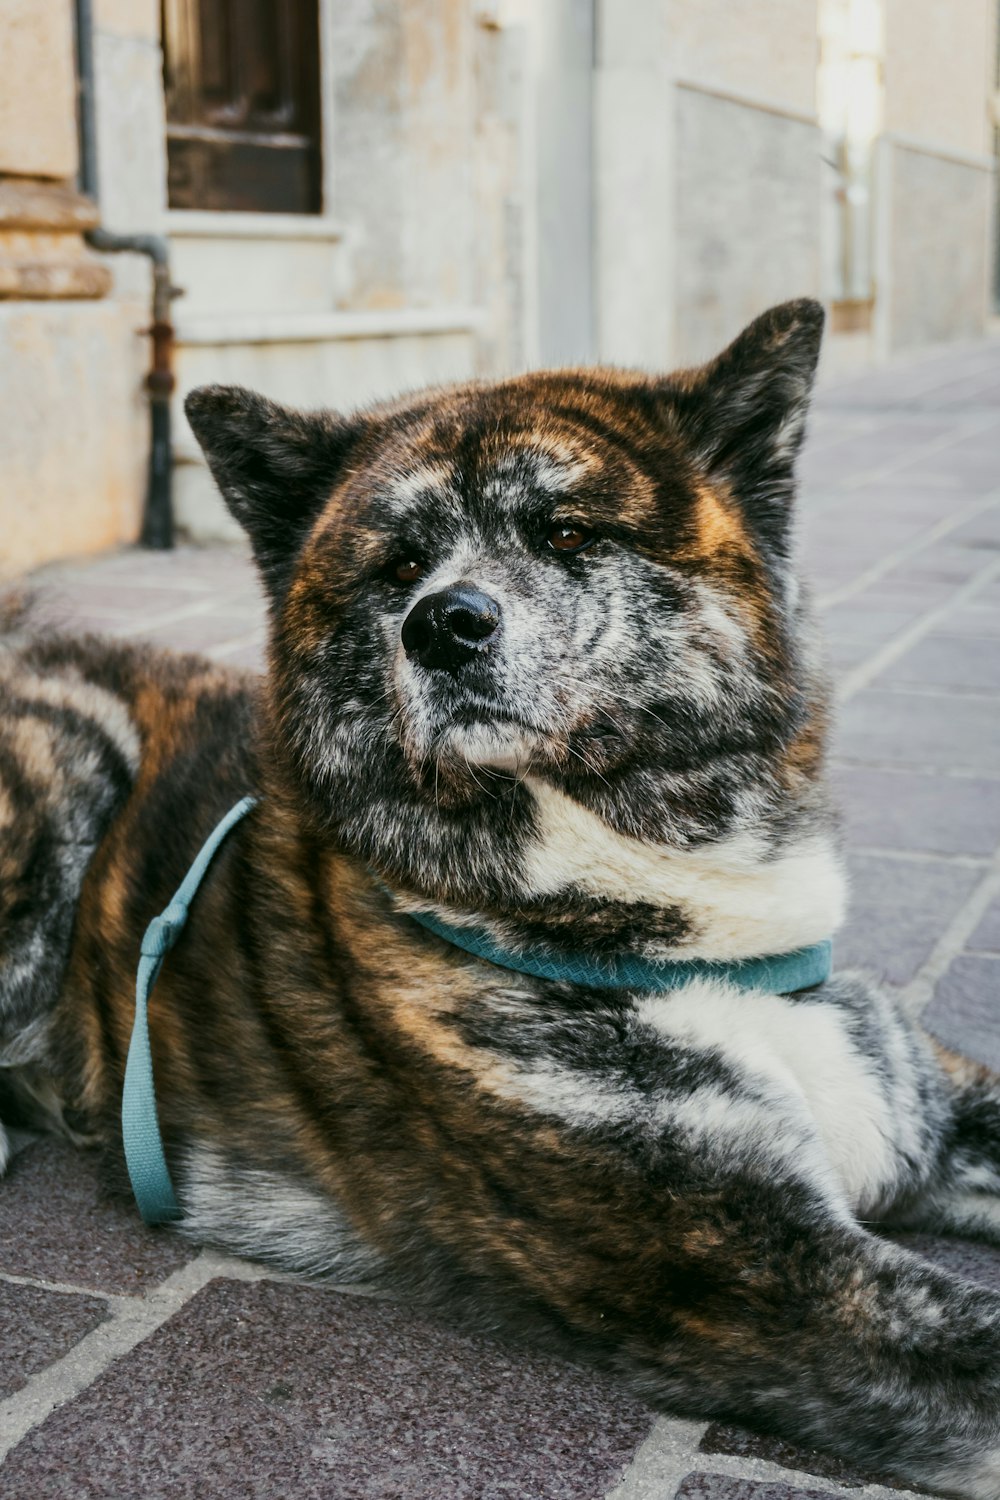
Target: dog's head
(580, 577)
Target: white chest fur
(805, 1052)
(739, 902)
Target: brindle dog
(540, 663)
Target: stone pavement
(134, 1366)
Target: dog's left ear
(275, 468)
(744, 413)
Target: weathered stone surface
(920, 730)
(737, 1442)
(33, 203)
(38, 1326)
(44, 280)
(265, 1390)
(73, 457)
(940, 205)
(909, 810)
(37, 89)
(899, 909)
(740, 247)
(963, 1012)
(58, 1225)
(727, 1487)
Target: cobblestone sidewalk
(133, 1366)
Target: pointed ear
(744, 414)
(274, 467)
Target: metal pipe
(157, 521)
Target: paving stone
(965, 1010)
(37, 1327)
(917, 729)
(198, 632)
(844, 653)
(936, 571)
(58, 1225)
(899, 909)
(725, 1487)
(986, 937)
(979, 617)
(267, 1390)
(947, 661)
(973, 1262)
(250, 655)
(871, 617)
(737, 1442)
(910, 810)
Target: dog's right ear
(275, 467)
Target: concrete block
(747, 211)
(37, 89)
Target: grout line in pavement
(75, 1289)
(852, 682)
(130, 1320)
(920, 856)
(669, 1451)
(957, 433)
(952, 694)
(843, 762)
(919, 543)
(197, 610)
(915, 996)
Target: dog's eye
(565, 536)
(406, 570)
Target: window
(243, 109)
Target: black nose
(450, 628)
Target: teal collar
(779, 974)
(782, 974)
(147, 1165)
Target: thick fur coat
(541, 663)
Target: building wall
(708, 206)
(72, 422)
(505, 183)
(938, 68)
(414, 273)
(935, 172)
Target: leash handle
(144, 1155)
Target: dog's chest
(805, 1058)
(734, 901)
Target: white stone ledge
(320, 327)
(200, 224)
(749, 101)
(982, 160)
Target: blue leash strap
(778, 974)
(147, 1165)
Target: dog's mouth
(488, 738)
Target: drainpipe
(157, 521)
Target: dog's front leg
(839, 1340)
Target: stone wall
(747, 216)
(937, 215)
(707, 184)
(73, 420)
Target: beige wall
(37, 89)
(707, 186)
(768, 51)
(73, 416)
(938, 64)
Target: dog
(543, 726)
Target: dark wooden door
(243, 104)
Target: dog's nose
(449, 628)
